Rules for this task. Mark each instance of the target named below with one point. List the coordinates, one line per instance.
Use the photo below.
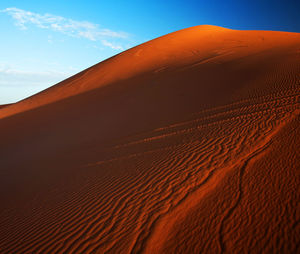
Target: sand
(4, 105)
(188, 143)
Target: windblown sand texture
(188, 143)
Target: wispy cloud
(11, 76)
(17, 84)
(80, 29)
(111, 45)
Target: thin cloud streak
(111, 45)
(69, 27)
(9, 76)
(16, 84)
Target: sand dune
(188, 143)
(4, 105)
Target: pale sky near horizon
(44, 42)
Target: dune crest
(195, 45)
(186, 143)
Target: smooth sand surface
(188, 143)
(4, 105)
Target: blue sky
(44, 42)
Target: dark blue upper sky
(43, 42)
(156, 17)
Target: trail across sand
(188, 143)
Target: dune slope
(187, 143)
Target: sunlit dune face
(184, 144)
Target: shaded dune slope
(4, 105)
(186, 143)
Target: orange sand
(4, 105)
(188, 143)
